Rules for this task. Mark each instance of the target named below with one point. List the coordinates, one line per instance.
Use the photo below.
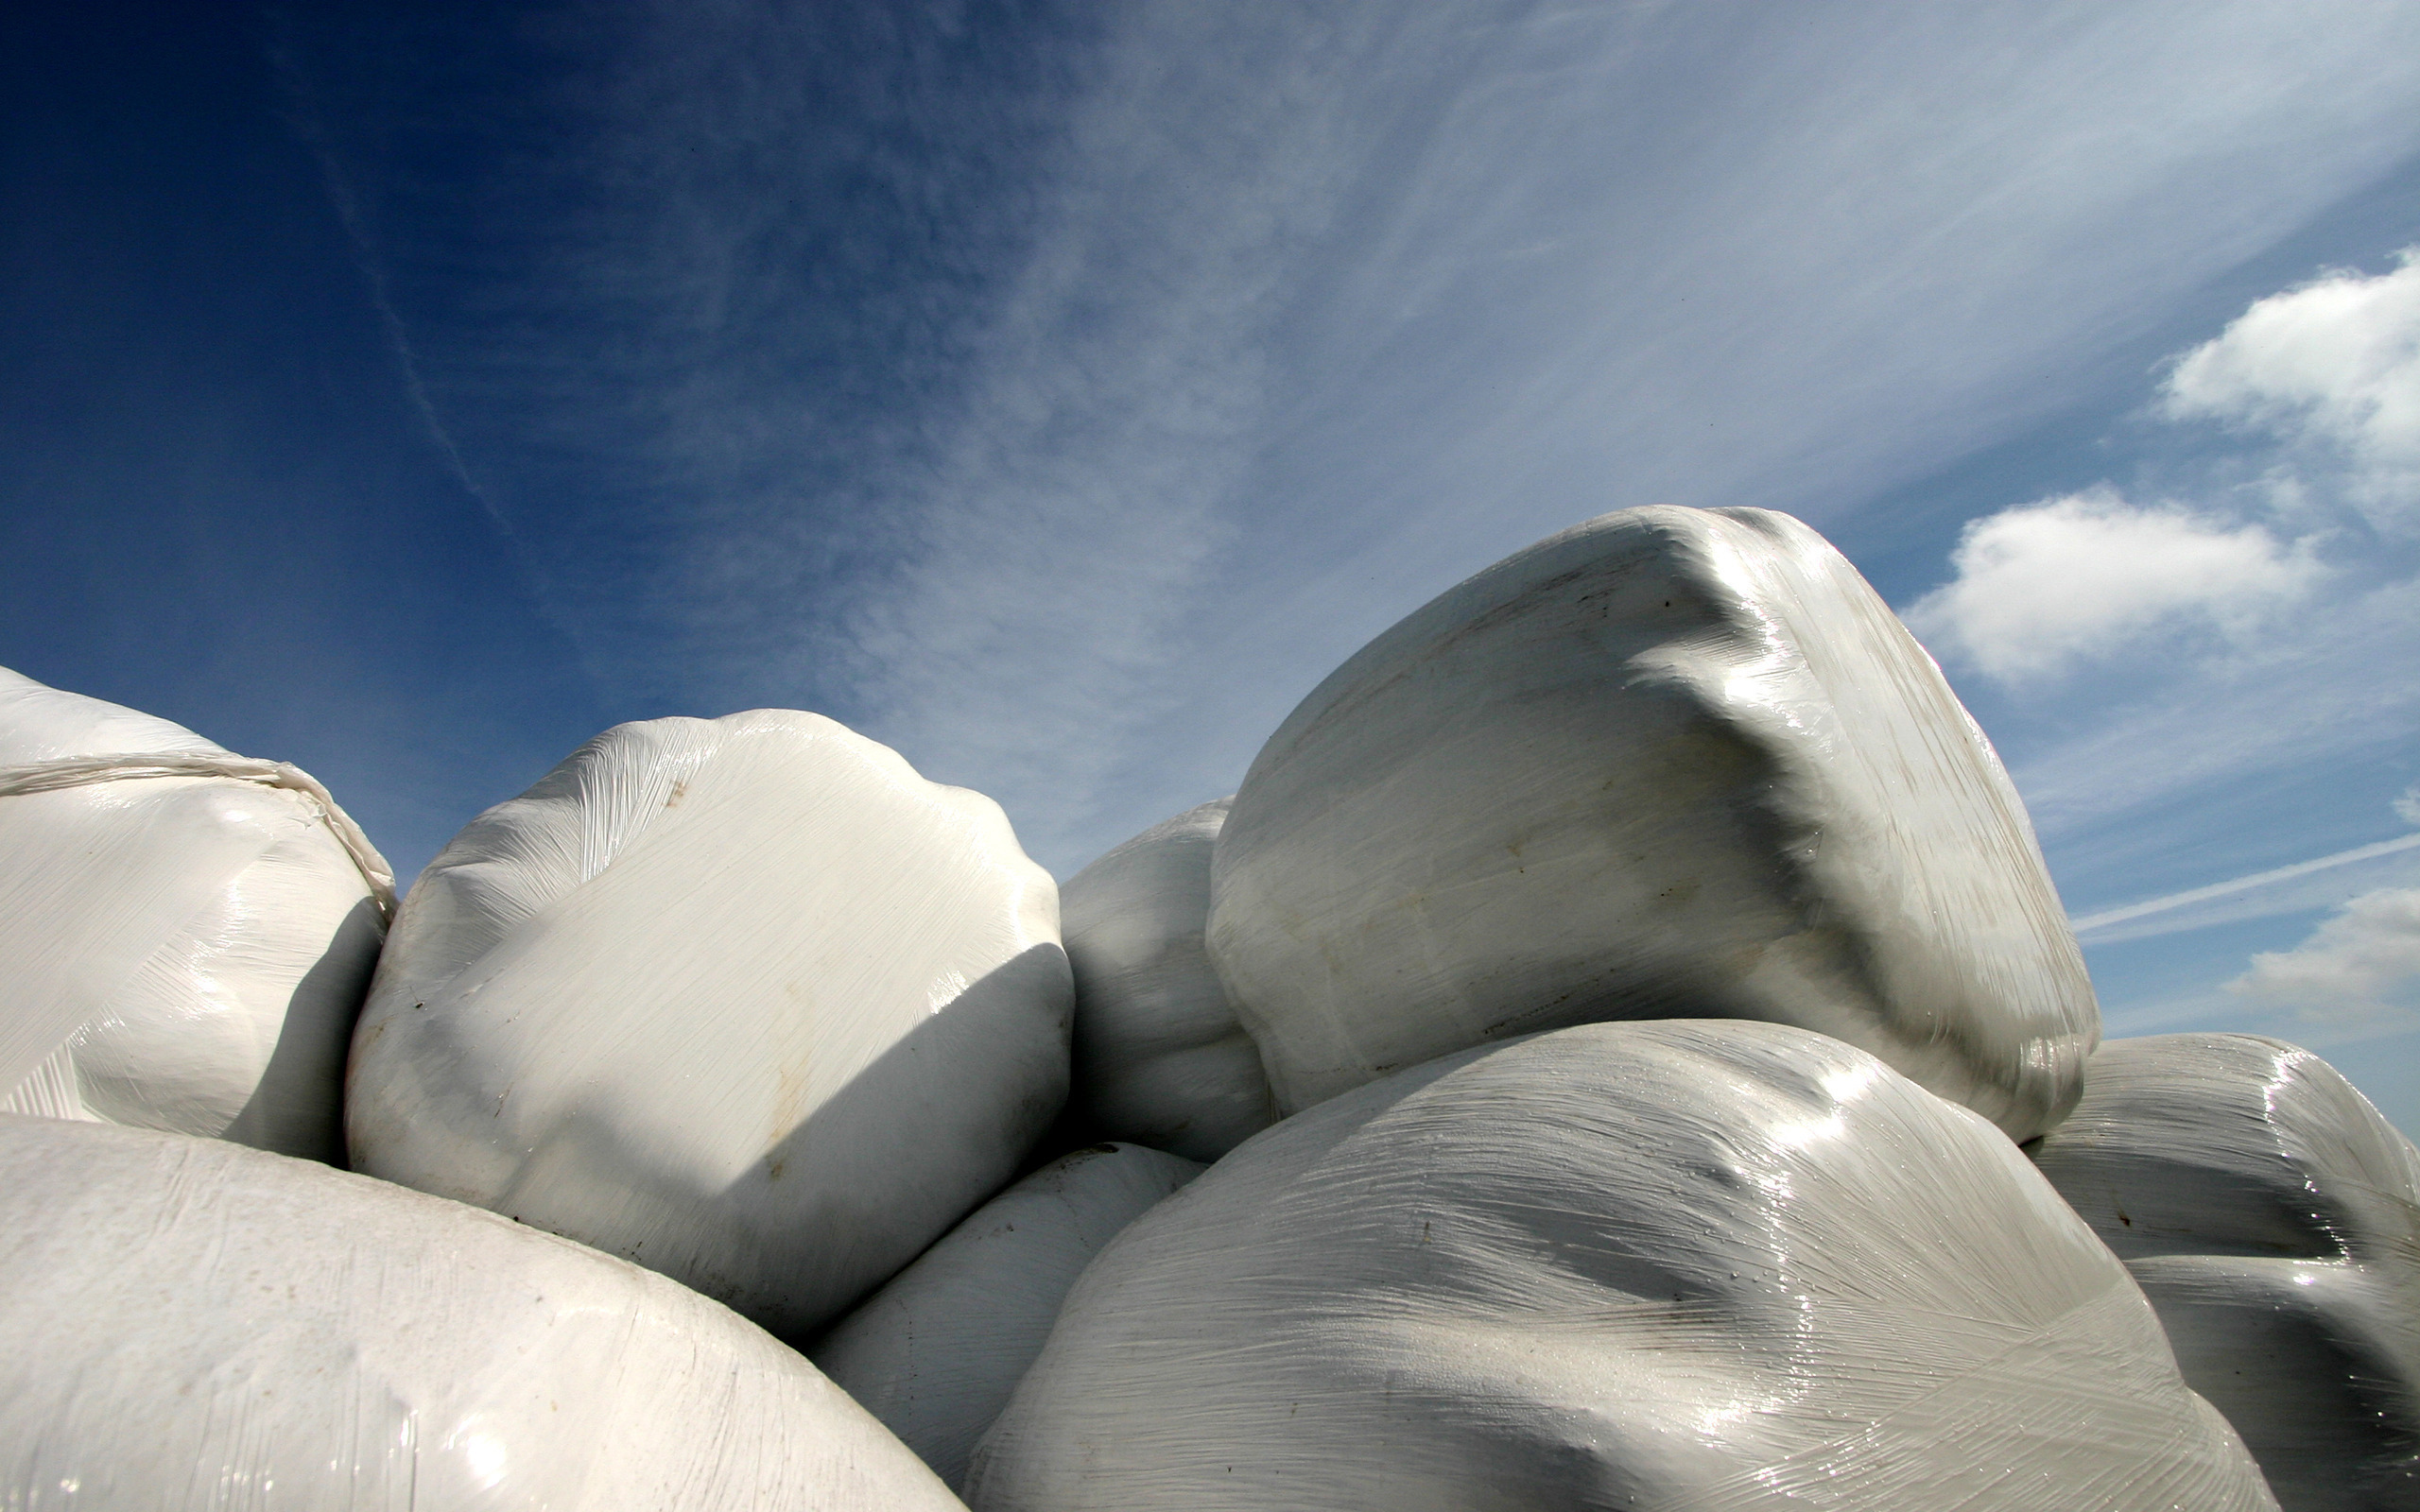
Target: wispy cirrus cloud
(1470, 312)
(1062, 397)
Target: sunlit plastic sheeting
(2273, 1218)
(1687, 1263)
(191, 1325)
(1670, 762)
(935, 1354)
(746, 1000)
(1160, 1058)
(185, 933)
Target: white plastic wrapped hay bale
(746, 1000)
(1160, 1057)
(1670, 762)
(935, 1354)
(185, 933)
(1686, 1263)
(2272, 1217)
(194, 1325)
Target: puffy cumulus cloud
(2045, 586)
(2334, 363)
(2363, 960)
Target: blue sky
(1058, 392)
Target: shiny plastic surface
(1690, 1263)
(1160, 1057)
(935, 1354)
(193, 1326)
(2272, 1216)
(187, 933)
(1669, 763)
(746, 1000)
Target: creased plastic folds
(1161, 1057)
(1685, 1264)
(185, 933)
(935, 1353)
(746, 1000)
(1668, 762)
(2272, 1217)
(192, 1324)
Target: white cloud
(2407, 806)
(2044, 586)
(2333, 364)
(2363, 961)
(2327, 377)
(2323, 385)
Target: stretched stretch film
(2272, 1217)
(1160, 1057)
(186, 932)
(1703, 1265)
(195, 1325)
(1668, 762)
(935, 1354)
(745, 1001)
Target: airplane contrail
(2220, 889)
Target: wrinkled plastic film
(935, 1354)
(86, 904)
(747, 1001)
(1683, 1263)
(80, 771)
(50, 1091)
(2272, 1217)
(1669, 763)
(186, 932)
(2067, 1382)
(1160, 1057)
(195, 1324)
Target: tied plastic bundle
(1670, 762)
(2272, 1217)
(185, 933)
(195, 1325)
(745, 1001)
(1160, 1055)
(1690, 1263)
(935, 1354)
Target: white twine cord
(81, 771)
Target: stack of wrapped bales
(2273, 1218)
(1608, 1010)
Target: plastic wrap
(186, 932)
(1690, 1263)
(191, 1325)
(2272, 1216)
(935, 1354)
(746, 1000)
(1160, 1057)
(1671, 762)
